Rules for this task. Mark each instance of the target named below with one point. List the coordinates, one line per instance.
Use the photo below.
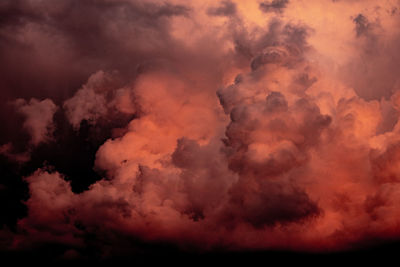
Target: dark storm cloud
(115, 140)
(84, 35)
(261, 173)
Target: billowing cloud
(234, 125)
(98, 97)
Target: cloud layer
(202, 124)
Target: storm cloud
(237, 125)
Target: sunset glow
(231, 125)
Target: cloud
(7, 151)
(165, 123)
(93, 101)
(227, 8)
(362, 25)
(38, 118)
(274, 6)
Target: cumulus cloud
(240, 125)
(97, 98)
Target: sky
(131, 125)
